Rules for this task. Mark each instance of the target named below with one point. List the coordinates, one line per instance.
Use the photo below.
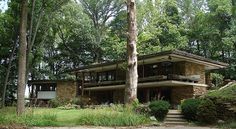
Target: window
(111, 75)
(106, 76)
(167, 67)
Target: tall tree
(132, 73)
(100, 12)
(22, 58)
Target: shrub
(54, 103)
(159, 109)
(142, 109)
(206, 112)
(76, 101)
(217, 79)
(189, 108)
(135, 103)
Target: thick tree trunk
(22, 59)
(132, 73)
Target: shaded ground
(150, 127)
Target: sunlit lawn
(108, 116)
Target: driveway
(149, 127)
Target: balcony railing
(191, 78)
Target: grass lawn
(108, 116)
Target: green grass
(109, 116)
(226, 93)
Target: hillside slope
(228, 92)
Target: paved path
(151, 127)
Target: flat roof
(172, 55)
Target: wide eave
(173, 56)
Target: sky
(3, 5)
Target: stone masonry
(185, 92)
(199, 90)
(179, 93)
(195, 69)
(66, 89)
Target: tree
(22, 59)
(9, 41)
(100, 12)
(132, 73)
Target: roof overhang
(169, 83)
(173, 56)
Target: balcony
(170, 78)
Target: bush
(217, 79)
(76, 101)
(55, 103)
(206, 112)
(159, 109)
(189, 108)
(142, 109)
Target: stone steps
(174, 117)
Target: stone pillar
(199, 90)
(66, 89)
(195, 69)
(179, 93)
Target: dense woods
(65, 34)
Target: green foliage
(206, 112)
(68, 107)
(67, 103)
(55, 103)
(135, 103)
(220, 98)
(189, 108)
(217, 79)
(101, 118)
(73, 34)
(43, 118)
(143, 109)
(228, 93)
(108, 116)
(159, 109)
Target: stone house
(169, 75)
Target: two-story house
(169, 75)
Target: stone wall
(66, 89)
(199, 90)
(185, 92)
(179, 93)
(195, 69)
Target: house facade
(170, 75)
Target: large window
(106, 76)
(166, 68)
(149, 70)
